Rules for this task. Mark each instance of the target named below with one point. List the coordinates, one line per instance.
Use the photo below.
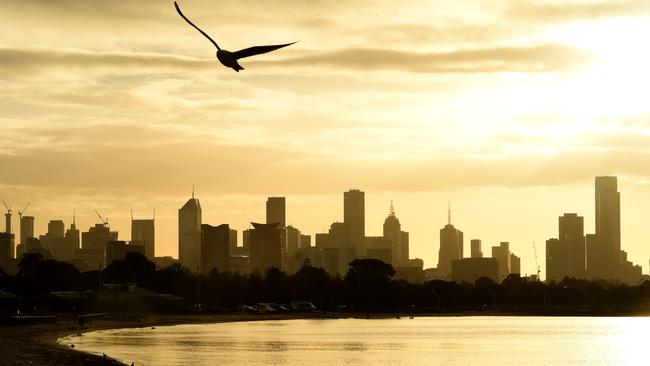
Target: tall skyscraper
(393, 234)
(215, 248)
(56, 228)
(265, 247)
(72, 238)
(608, 224)
(293, 243)
(502, 255)
(572, 237)
(189, 234)
(144, 231)
(477, 252)
(354, 217)
(451, 247)
(26, 228)
(276, 211)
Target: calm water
(419, 341)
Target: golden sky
(508, 109)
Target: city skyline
(523, 249)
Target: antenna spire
(448, 213)
(74, 216)
(392, 208)
(192, 191)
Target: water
(398, 342)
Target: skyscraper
(572, 236)
(72, 238)
(354, 218)
(265, 247)
(393, 234)
(56, 228)
(293, 243)
(608, 224)
(276, 211)
(26, 228)
(215, 248)
(144, 231)
(451, 247)
(502, 255)
(477, 252)
(189, 234)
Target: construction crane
(536, 261)
(20, 212)
(104, 221)
(8, 208)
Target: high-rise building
(354, 217)
(404, 242)
(477, 252)
(305, 241)
(393, 234)
(451, 247)
(502, 255)
(72, 240)
(26, 229)
(6, 250)
(572, 237)
(608, 225)
(232, 241)
(97, 236)
(265, 247)
(515, 264)
(56, 228)
(144, 231)
(276, 211)
(293, 243)
(215, 248)
(189, 234)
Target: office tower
(26, 229)
(117, 250)
(276, 211)
(72, 239)
(189, 234)
(451, 247)
(8, 222)
(354, 217)
(404, 242)
(502, 255)
(144, 231)
(305, 241)
(477, 252)
(56, 228)
(232, 241)
(608, 225)
(566, 256)
(265, 247)
(96, 237)
(246, 241)
(336, 253)
(555, 261)
(293, 243)
(515, 264)
(215, 248)
(393, 234)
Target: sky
(506, 109)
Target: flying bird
(227, 58)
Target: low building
(116, 250)
(471, 269)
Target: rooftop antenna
(74, 216)
(392, 209)
(448, 213)
(192, 191)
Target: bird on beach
(230, 59)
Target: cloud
(557, 11)
(549, 57)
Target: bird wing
(197, 28)
(258, 50)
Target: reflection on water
(420, 341)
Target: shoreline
(37, 344)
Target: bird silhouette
(227, 58)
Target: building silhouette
(116, 250)
(215, 248)
(354, 218)
(502, 255)
(276, 211)
(97, 237)
(305, 241)
(6, 249)
(292, 240)
(393, 234)
(476, 250)
(8, 239)
(451, 247)
(189, 234)
(565, 256)
(26, 231)
(471, 269)
(144, 231)
(72, 237)
(265, 247)
(607, 243)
